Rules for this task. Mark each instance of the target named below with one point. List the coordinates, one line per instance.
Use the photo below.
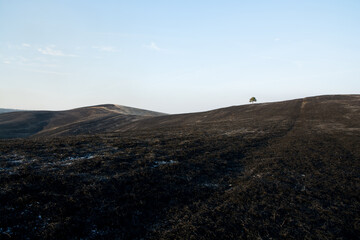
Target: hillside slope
(333, 113)
(7, 110)
(285, 170)
(328, 113)
(84, 120)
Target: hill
(330, 113)
(335, 113)
(284, 170)
(6, 110)
(86, 120)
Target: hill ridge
(318, 113)
(71, 122)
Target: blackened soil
(294, 176)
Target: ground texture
(286, 170)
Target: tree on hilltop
(252, 100)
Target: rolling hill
(327, 113)
(333, 113)
(283, 170)
(7, 110)
(86, 120)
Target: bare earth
(285, 170)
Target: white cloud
(52, 52)
(276, 39)
(20, 61)
(153, 46)
(18, 46)
(106, 48)
(47, 72)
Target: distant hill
(332, 113)
(85, 120)
(6, 110)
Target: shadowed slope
(7, 110)
(23, 124)
(84, 120)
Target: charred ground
(287, 170)
(85, 120)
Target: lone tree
(252, 100)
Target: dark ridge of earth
(86, 120)
(7, 110)
(285, 170)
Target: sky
(175, 56)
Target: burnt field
(286, 170)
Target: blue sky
(175, 56)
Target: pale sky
(175, 56)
